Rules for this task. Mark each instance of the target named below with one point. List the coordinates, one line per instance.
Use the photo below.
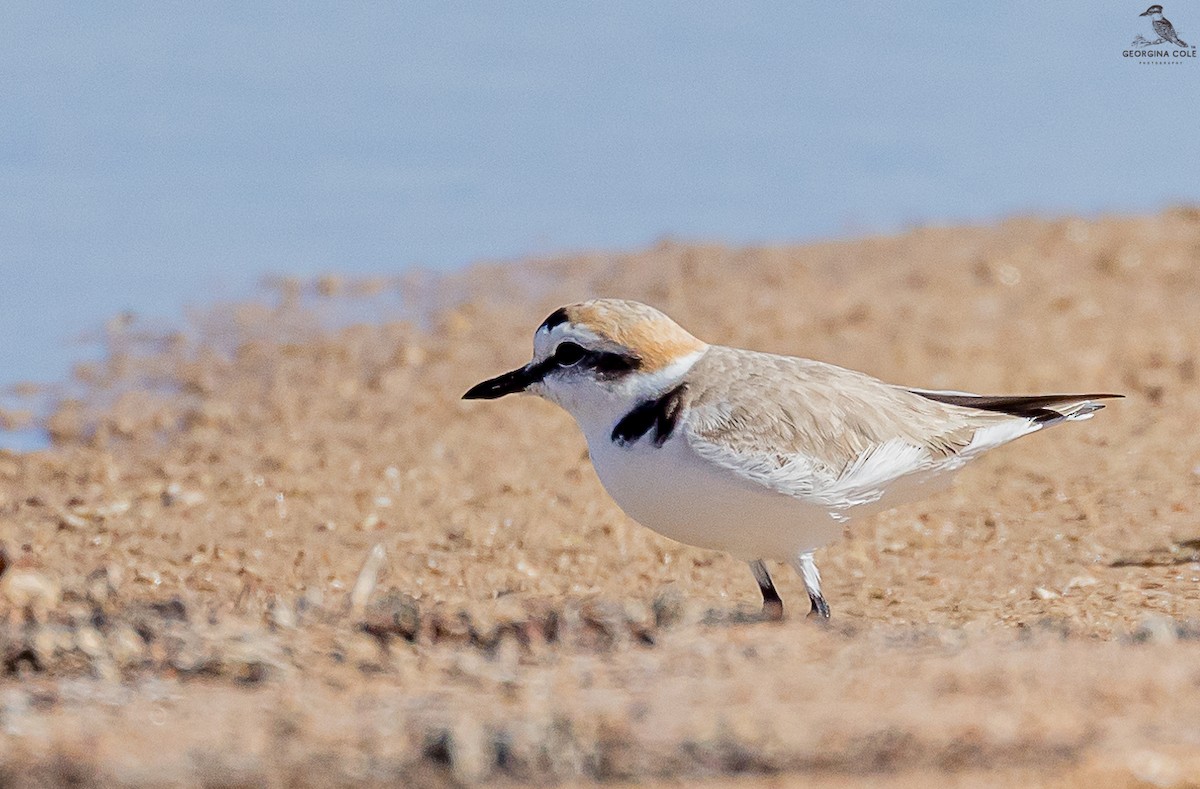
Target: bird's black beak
(510, 383)
(1145, 13)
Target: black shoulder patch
(555, 318)
(660, 415)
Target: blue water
(159, 154)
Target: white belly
(682, 496)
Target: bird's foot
(820, 608)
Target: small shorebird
(758, 455)
(1162, 26)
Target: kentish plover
(758, 455)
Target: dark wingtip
(1030, 406)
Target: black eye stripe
(616, 362)
(606, 364)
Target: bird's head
(598, 358)
(1151, 11)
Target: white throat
(597, 410)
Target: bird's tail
(1043, 409)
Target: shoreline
(278, 546)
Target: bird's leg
(807, 569)
(772, 609)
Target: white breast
(688, 497)
(680, 495)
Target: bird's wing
(1165, 29)
(820, 432)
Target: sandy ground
(276, 548)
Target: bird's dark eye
(568, 354)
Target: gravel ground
(275, 548)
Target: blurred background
(157, 155)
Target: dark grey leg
(772, 609)
(807, 568)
